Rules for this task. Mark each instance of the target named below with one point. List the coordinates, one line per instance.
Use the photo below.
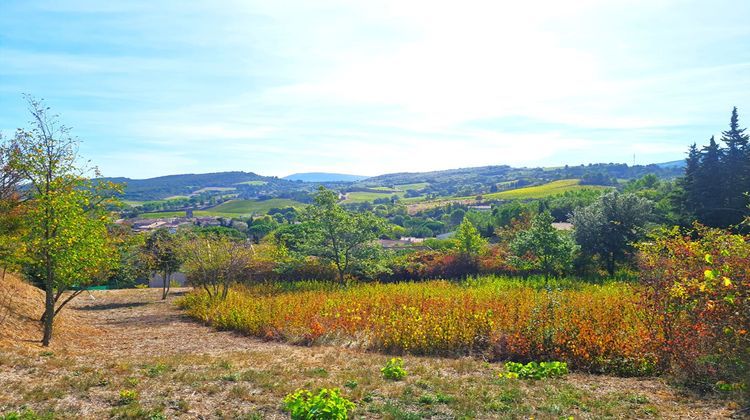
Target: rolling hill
(323, 177)
(445, 183)
(541, 191)
(232, 208)
(184, 184)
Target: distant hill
(491, 179)
(185, 184)
(673, 164)
(446, 183)
(323, 177)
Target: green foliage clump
(534, 370)
(543, 247)
(328, 404)
(24, 414)
(469, 242)
(155, 370)
(128, 396)
(336, 235)
(609, 227)
(394, 369)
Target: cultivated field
(253, 183)
(541, 191)
(415, 186)
(365, 196)
(232, 208)
(247, 207)
(417, 204)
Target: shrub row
(598, 328)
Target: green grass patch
(232, 208)
(541, 191)
(207, 189)
(365, 196)
(385, 189)
(415, 186)
(253, 183)
(247, 207)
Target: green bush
(24, 414)
(326, 405)
(153, 371)
(128, 396)
(534, 370)
(394, 369)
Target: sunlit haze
(162, 87)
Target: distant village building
(412, 239)
(207, 221)
(404, 243)
(148, 225)
(156, 280)
(562, 226)
(481, 208)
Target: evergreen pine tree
(709, 191)
(736, 170)
(688, 200)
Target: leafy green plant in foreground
(128, 396)
(328, 404)
(534, 370)
(24, 414)
(394, 369)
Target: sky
(160, 87)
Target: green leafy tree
(214, 262)
(610, 227)
(262, 226)
(131, 267)
(66, 238)
(457, 216)
(11, 210)
(508, 213)
(469, 243)
(337, 235)
(161, 252)
(543, 247)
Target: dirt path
(129, 340)
(137, 322)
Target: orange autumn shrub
(425, 265)
(697, 299)
(594, 327)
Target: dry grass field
(129, 340)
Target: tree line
(717, 179)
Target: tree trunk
(66, 301)
(611, 264)
(165, 285)
(49, 307)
